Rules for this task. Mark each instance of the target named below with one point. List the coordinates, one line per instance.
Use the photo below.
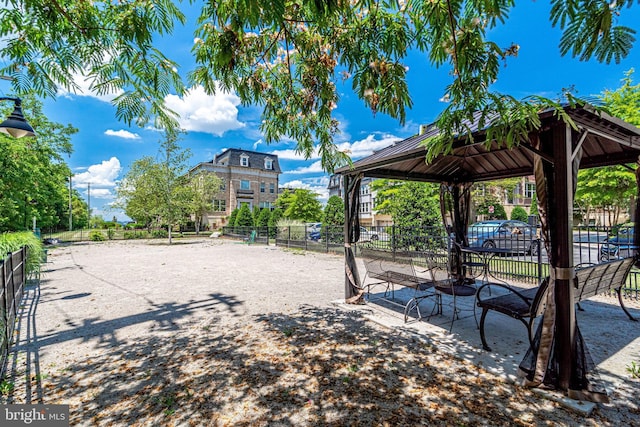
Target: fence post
(326, 237)
(539, 261)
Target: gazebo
(554, 153)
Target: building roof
(232, 156)
(605, 140)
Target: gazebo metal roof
(606, 140)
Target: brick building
(248, 177)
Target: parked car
(366, 235)
(372, 235)
(619, 245)
(518, 236)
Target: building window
(262, 187)
(223, 185)
(272, 188)
(266, 205)
(245, 185)
(364, 190)
(219, 205)
(268, 163)
(529, 190)
(365, 207)
(244, 161)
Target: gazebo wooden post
(348, 289)
(563, 200)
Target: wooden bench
(396, 269)
(526, 305)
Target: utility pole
(70, 205)
(89, 204)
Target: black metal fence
(12, 279)
(525, 260)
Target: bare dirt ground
(216, 332)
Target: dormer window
(244, 160)
(268, 163)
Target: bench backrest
(600, 278)
(386, 265)
(589, 281)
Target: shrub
(160, 233)
(97, 236)
(245, 217)
(137, 234)
(111, 232)
(11, 242)
(518, 213)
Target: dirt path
(214, 332)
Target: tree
(334, 211)
(534, 205)
(287, 56)
(263, 218)
(204, 186)
(232, 217)
(275, 216)
(411, 204)
(158, 191)
(109, 43)
(245, 217)
(624, 102)
(285, 199)
(611, 188)
(302, 205)
(385, 191)
(519, 214)
(487, 204)
(33, 173)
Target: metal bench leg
(619, 291)
(482, 338)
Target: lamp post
(16, 125)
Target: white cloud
(84, 89)
(255, 144)
(315, 167)
(214, 114)
(293, 155)
(358, 149)
(122, 134)
(316, 185)
(102, 175)
(366, 147)
(101, 193)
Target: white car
(372, 235)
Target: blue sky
(104, 148)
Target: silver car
(517, 236)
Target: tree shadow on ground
(318, 366)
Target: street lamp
(16, 125)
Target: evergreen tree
(275, 216)
(334, 211)
(245, 217)
(519, 214)
(534, 205)
(232, 218)
(263, 218)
